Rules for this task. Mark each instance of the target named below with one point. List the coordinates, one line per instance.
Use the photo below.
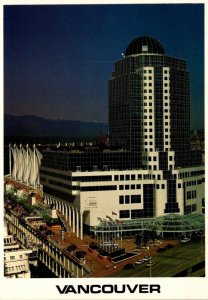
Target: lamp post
(150, 262)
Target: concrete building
(16, 259)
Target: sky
(58, 58)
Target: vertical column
(10, 161)
(57, 204)
(63, 209)
(77, 218)
(66, 212)
(69, 214)
(73, 219)
(27, 167)
(15, 162)
(81, 225)
(34, 166)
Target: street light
(150, 262)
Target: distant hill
(32, 126)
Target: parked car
(185, 240)
(146, 258)
(129, 266)
(139, 262)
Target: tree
(71, 248)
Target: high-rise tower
(149, 106)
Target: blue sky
(58, 59)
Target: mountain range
(33, 126)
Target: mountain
(33, 126)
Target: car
(129, 266)
(139, 262)
(146, 258)
(185, 240)
(150, 264)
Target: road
(168, 263)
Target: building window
(121, 199)
(124, 214)
(126, 187)
(116, 177)
(127, 200)
(138, 186)
(121, 187)
(132, 177)
(135, 198)
(127, 177)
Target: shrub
(71, 247)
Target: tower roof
(144, 44)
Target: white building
(16, 262)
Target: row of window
(147, 71)
(133, 213)
(150, 123)
(151, 149)
(127, 177)
(17, 268)
(127, 187)
(129, 199)
(190, 183)
(191, 174)
(98, 188)
(191, 195)
(190, 208)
